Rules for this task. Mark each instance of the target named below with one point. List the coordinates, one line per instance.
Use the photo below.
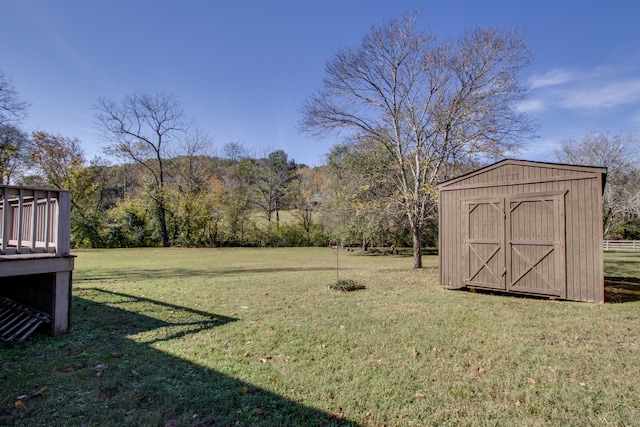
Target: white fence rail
(621, 245)
(34, 220)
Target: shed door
(535, 256)
(484, 226)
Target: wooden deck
(35, 261)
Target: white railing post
(18, 222)
(5, 221)
(63, 238)
(34, 222)
(47, 222)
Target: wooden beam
(61, 304)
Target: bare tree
(12, 109)
(13, 141)
(621, 199)
(235, 151)
(275, 173)
(429, 104)
(142, 128)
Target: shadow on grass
(616, 290)
(100, 375)
(188, 320)
(621, 289)
(387, 251)
(135, 274)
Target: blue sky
(242, 69)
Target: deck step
(18, 321)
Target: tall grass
(256, 337)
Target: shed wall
(582, 191)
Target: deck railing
(34, 220)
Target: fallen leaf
(518, 403)
(130, 411)
(245, 390)
(99, 368)
(135, 373)
(247, 354)
(416, 353)
(39, 392)
(258, 411)
(116, 355)
(67, 369)
(170, 423)
(481, 370)
(583, 385)
(265, 358)
(421, 395)
(19, 404)
(531, 381)
(336, 416)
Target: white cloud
(553, 77)
(604, 87)
(541, 150)
(530, 106)
(603, 94)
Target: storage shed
(524, 227)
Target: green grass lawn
(254, 337)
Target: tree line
(231, 199)
(413, 111)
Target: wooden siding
(550, 234)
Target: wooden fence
(34, 220)
(621, 245)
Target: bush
(346, 285)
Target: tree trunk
(163, 224)
(417, 246)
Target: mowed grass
(254, 337)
